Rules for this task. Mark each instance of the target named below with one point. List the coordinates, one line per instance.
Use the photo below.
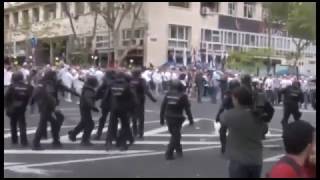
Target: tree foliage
(247, 61)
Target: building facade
(171, 31)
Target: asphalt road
(143, 159)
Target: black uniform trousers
(288, 109)
(125, 132)
(102, 121)
(18, 118)
(138, 115)
(223, 137)
(86, 124)
(174, 127)
(45, 117)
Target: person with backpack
(299, 160)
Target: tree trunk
(116, 46)
(51, 52)
(269, 47)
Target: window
(180, 32)
(50, 12)
(179, 36)
(249, 9)
(232, 8)
(35, 15)
(6, 21)
(25, 15)
(215, 36)
(79, 8)
(252, 40)
(229, 38)
(247, 38)
(211, 6)
(173, 32)
(207, 35)
(16, 18)
(234, 38)
(179, 4)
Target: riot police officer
(87, 103)
(105, 105)
(175, 101)
(226, 105)
(140, 89)
(292, 96)
(122, 100)
(46, 96)
(16, 101)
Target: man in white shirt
(99, 75)
(276, 90)
(25, 71)
(268, 87)
(67, 80)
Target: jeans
(239, 170)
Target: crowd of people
(123, 92)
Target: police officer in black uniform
(175, 101)
(226, 105)
(16, 101)
(87, 103)
(105, 105)
(46, 96)
(122, 100)
(292, 96)
(140, 89)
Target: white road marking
(12, 163)
(100, 158)
(273, 158)
(84, 152)
(301, 110)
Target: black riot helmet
(92, 81)
(50, 75)
(296, 84)
(246, 80)
(136, 72)
(176, 85)
(233, 84)
(17, 77)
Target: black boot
(179, 152)
(71, 136)
(86, 143)
(57, 144)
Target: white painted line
(13, 168)
(201, 135)
(273, 158)
(272, 140)
(11, 163)
(301, 110)
(84, 152)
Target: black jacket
(87, 98)
(17, 97)
(226, 105)
(46, 94)
(173, 105)
(292, 95)
(120, 96)
(140, 90)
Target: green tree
(301, 24)
(274, 13)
